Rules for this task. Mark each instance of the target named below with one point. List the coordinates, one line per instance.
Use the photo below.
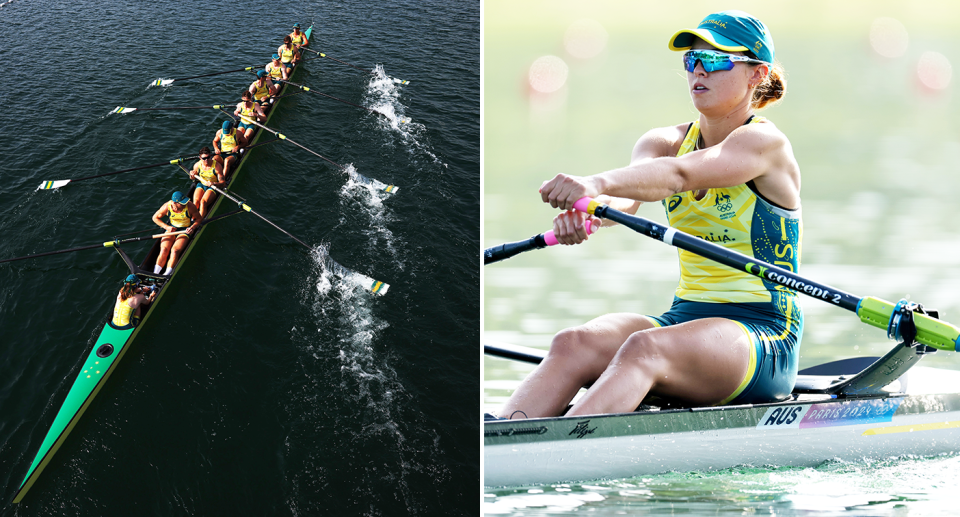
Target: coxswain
(209, 173)
(126, 313)
(226, 145)
(262, 89)
(277, 71)
(288, 53)
(249, 112)
(298, 38)
(184, 220)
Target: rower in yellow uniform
(184, 220)
(262, 89)
(226, 145)
(208, 172)
(297, 37)
(248, 111)
(277, 71)
(126, 312)
(288, 53)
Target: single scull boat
(113, 343)
(849, 410)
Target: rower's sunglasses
(713, 60)
(206, 157)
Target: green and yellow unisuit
(741, 219)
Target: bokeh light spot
(889, 37)
(548, 74)
(585, 39)
(934, 70)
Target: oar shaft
(216, 73)
(307, 89)
(281, 136)
(509, 249)
(107, 244)
(872, 311)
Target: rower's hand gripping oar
(505, 251)
(372, 285)
(872, 311)
(369, 181)
(402, 120)
(321, 54)
(167, 82)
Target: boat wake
(350, 395)
(383, 95)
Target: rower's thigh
(703, 360)
(594, 343)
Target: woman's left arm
(750, 152)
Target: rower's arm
(159, 214)
(219, 170)
(194, 214)
(216, 141)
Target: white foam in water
(384, 95)
(371, 198)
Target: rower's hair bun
(772, 89)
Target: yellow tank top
(736, 218)
(228, 141)
(121, 313)
(179, 219)
(262, 91)
(297, 40)
(208, 174)
(247, 114)
(286, 54)
(275, 73)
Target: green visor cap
(732, 31)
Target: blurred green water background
(871, 111)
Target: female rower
(262, 89)
(288, 53)
(126, 312)
(209, 173)
(226, 146)
(277, 71)
(298, 38)
(184, 220)
(248, 111)
(729, 177)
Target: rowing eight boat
(113, 343)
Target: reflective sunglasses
(206, 158)
(713, 60)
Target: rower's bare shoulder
(658, 142)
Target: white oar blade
(374, 286)
(400, 81)
(379, 185)
(162, 82)
(48, 185)
(121, 109)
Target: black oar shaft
(106, 244)
(215, 73)
(509, 249)
(728, 257)
(133, 169)
(308, 89)
(283, 137)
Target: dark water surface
(261, 385)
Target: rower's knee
(644, 350)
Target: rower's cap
(732, 31)
(276, 56)
(227, 125)
(132, 280)
(261, 73)
(296, 25)
(178, 197)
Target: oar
(382, 114)
(872, 311)
(505, 251)
(321, 54)
(124, 110)
(108, 244)
(166, 82)
(372, 182)
(52, 184)
(374, 286)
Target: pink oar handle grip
(551, 240)
(582, 205)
